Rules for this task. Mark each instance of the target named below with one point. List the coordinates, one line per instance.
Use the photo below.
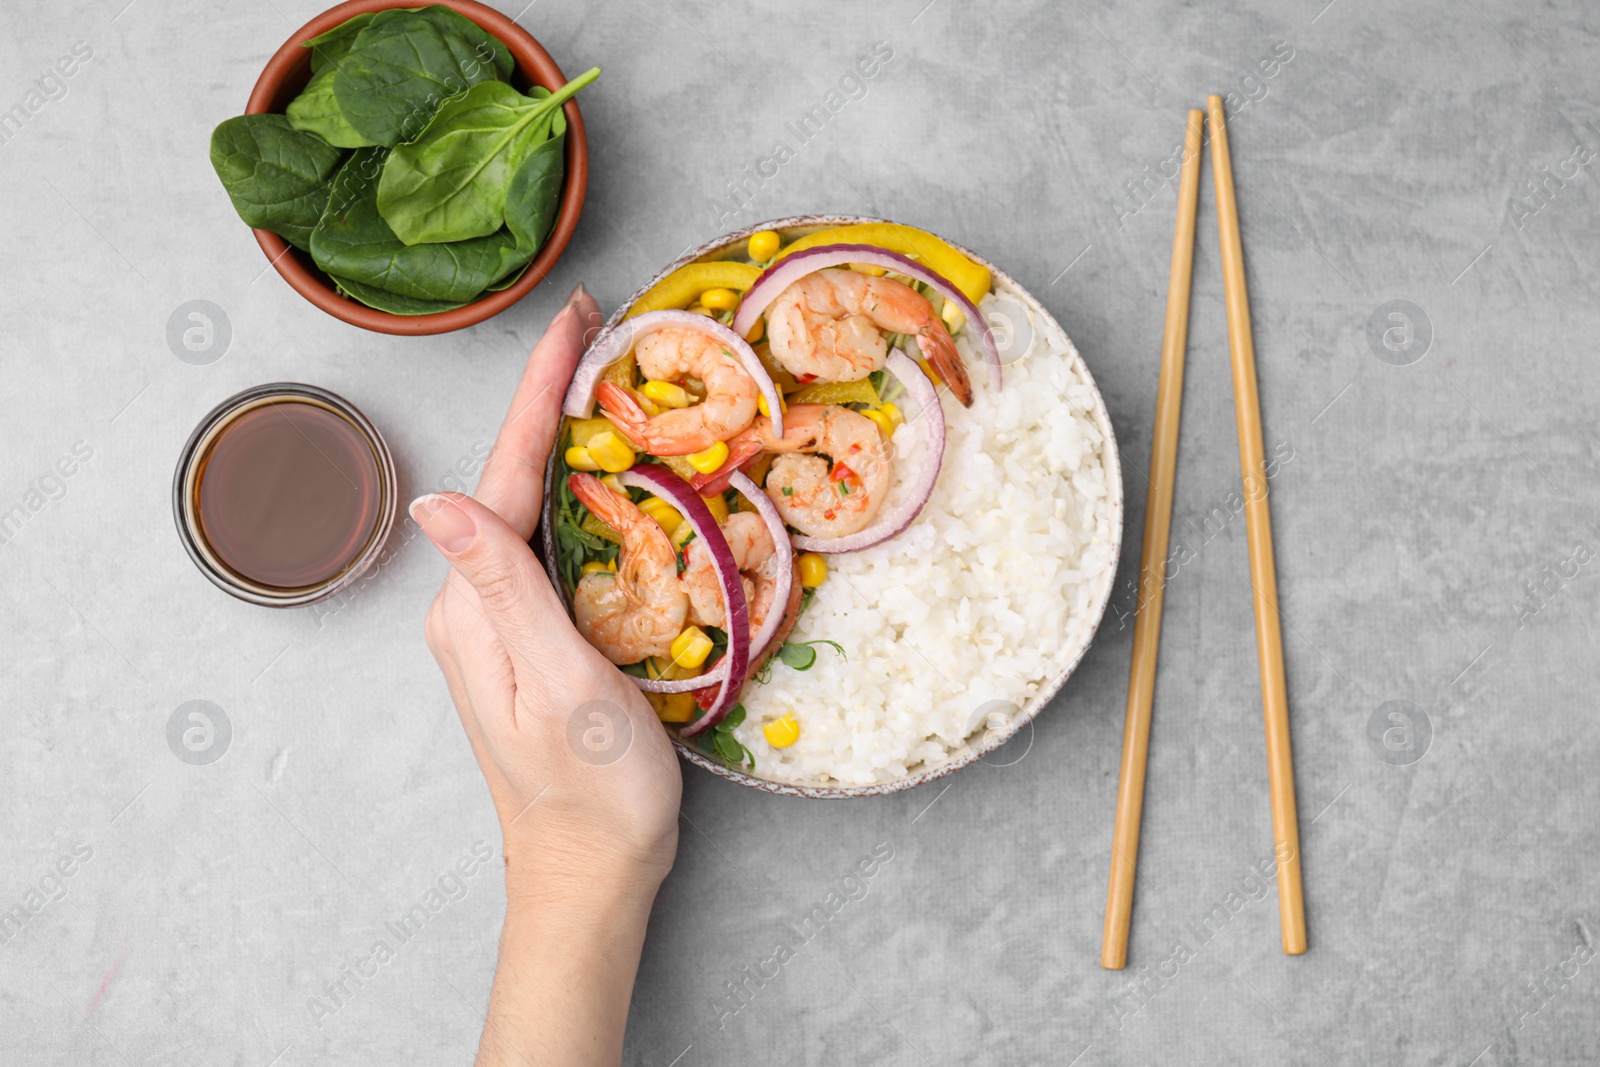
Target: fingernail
(578, 293)
(446, 525)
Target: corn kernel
(673, 707)
(952, 316)
(610, 452)
(933, 375)
(864, 268)
(701, 309)
(766, 408)
(613, 483)
(681, 535)
(884, 421)
(579, 459)
(764, 245)
(710, 459)
(720, 299)
(690, 648)
(646, 405)
(891, 409)
(594, 566)
(783, 732)
(757, 331)
(718, 506)
(667, 394)
(813, 569)
(666, 516)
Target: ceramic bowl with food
(373, 108)
(842, 497)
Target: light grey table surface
(1435, 528)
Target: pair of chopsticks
(1153, 555)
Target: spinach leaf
(352, 241)
(276, 175)
(328, 48)
(394, 303)
(534, 195)
(400, 69)
(509, 280)
(484, 43)
(451, 182)
(316, 110)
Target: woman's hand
(582, 774)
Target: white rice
(952, 627)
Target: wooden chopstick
(1152, 563)
(1258, 531)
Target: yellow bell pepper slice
(584, 429)
(622, 372)
(932, 252)
(856, 392)
(679, 465)
(718, 508)
(683, 286)
(673, 707)
(593, 524)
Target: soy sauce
(288, 494)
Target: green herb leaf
(800, 657)
(352, 241)
(276, 176)
(728, 747)
(788, 490)
(732, 720)
(402, 67)
(451, 183)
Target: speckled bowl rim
(992, 739)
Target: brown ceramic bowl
(981, 743)
(288, 72)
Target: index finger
(513, 478)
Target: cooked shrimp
(676, 355)
(820, 497)
(826, 327)
(638, 611)
(757, 559)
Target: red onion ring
(784, 273)
(887, 525)
(780, 540)
(618, 341)
(661, 481)
(769, 626)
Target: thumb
(513, 590)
